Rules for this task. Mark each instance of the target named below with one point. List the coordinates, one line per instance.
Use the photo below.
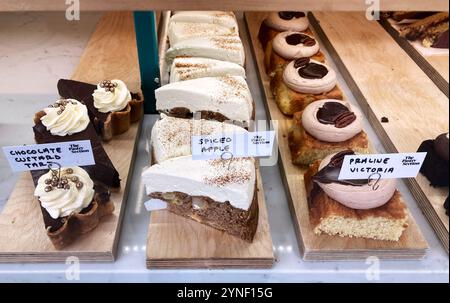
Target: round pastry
(309, 76)
(293, 45)
(287, 21)
(65, 192)
(65, 117)
(111, 96)
(332, 120)
(356, 194)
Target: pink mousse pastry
(308, 76)
(292, 45)
(332, 120)
(287, 21)
(356, 194)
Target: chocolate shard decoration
(297, 38)
(301, 62)
(289, 15)
(313, 71)
(330, 173)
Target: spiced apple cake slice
(171, 137)
(215, 98)
(219, 193)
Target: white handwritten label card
(38, 156)
(388, 166)
(251, 144)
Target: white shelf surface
(57, 60)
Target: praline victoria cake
(288, 46)
(112, 107)
(325, 127)
(216, 98)
(301, 82)
(219, 193)
(371, 208)
(188, 68)
(72, 204)
(435, 166)
(283, 21)
(68, 120)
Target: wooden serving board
(411, 245)
(177, 242)
(435, 66)
(22, 233)
(388, 83)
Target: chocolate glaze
(297, 38)
(335, 113)
(313, 71)
(441, 145)
(289, 15)
(434, 167)
(330, 173)
(441, 41)
(301, 62)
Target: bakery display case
(326, 83)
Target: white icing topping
(309, 86)
(60, 202)
(229, 96)
(295, 24)
(226, 19)
(73, 119)
(187, 68)
(328, 132)
(287, 51)
(171, 137)
(180, 31)
(107, 101)
(225, 48)
(359, 197)
(217, 179)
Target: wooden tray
(177, 242)
(22, 233)
(412, 245)
(436, 66)
(416, 108)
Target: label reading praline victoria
(233, 145)
(384, 166)
(39, 156)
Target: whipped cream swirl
(111, 100)
(67, 119)
(62, 202)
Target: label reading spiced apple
(39, 156)
(384, 166)
(233, 145)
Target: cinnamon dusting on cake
(231, 171)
